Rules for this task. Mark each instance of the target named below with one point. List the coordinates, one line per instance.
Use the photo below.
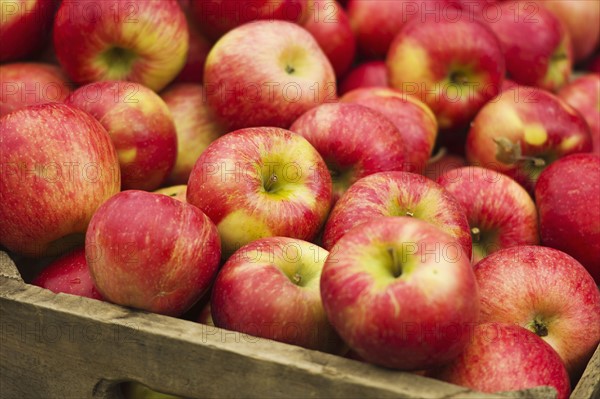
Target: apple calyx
(510, 153)
(458, 77)
(297, 278)
(538, 327)
(289, 69)
(118, 61)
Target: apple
(69, 274)
(140, 126)
(594, 65)
(261, 182)
(57, 166)
(581, 20)
(401, 293)
(140, 41)
(442, 164)
(501, 213)
(195, 124)
(397, 194)
(367, 74)
(567, 195)
(523, 131)
(198, 49)
(152, 252)
(330, 26)
(505, 357)
(545, 59)
(178, 192)
(29, 83)
(267, 73)
(217, 17)
(24, 27)
(205, 316)
(550, 294)
(354, 141)
(415, 121)
(248, 291)
(441, 64)
(583, 94)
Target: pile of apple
(359, 178)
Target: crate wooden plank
(64, 346)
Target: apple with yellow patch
(267, 73)
(140, 126)
(401, 293)
(443, 66)
(367, 74)
(261, 182)
(140, 41)
(523, 131)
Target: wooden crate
(64, 346)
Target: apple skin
(581, 20)
(524, 126)
(195, 124)
(416, 321)
(414, 119)
(216, 18)
(583, 94)
(545, 59)
(198, 49)
(504, 357)
(496, 205)
(261, 182)
(136, 40)
(178, 192)
(559, 301)
(24, 27)
(330, 26)
(339, 133)
(443, 66)
(247, 293)
(442, 165)
(69, 274)
(152, 252)
(568, 201)
(594, 65)
(58, 165)
(267, 73)
(28, 83)
(367, 74)
(140, 126)
(398, 194)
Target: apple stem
(476, 234)
(539, 328)
(396, 265)
(272, 180)
(409, 213)
(536, 161)
(438, 155)
(297, 278)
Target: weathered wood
(64, 346)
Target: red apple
(69, 274)
(442, 164)
(58, 165)
(261, 182)
(368, 74)
(353, 140)
(330, 26)
(415, 121)
(140, 126)
(137, 40)
(545, 58)
(270, 289)
(441, 64)
(550, 294)
(501, 213)
(24, 84)
(594, 65)
(524, 130)
(581, 20)
(195, 124)
(178, 192)
(152, 252)
(24, 27)
(205, 316)
(199, 47)
(568, 200)
(583, 94)
(267, 73)
(401, 293)
(217, 17)
(504, 357)
(398, 194)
